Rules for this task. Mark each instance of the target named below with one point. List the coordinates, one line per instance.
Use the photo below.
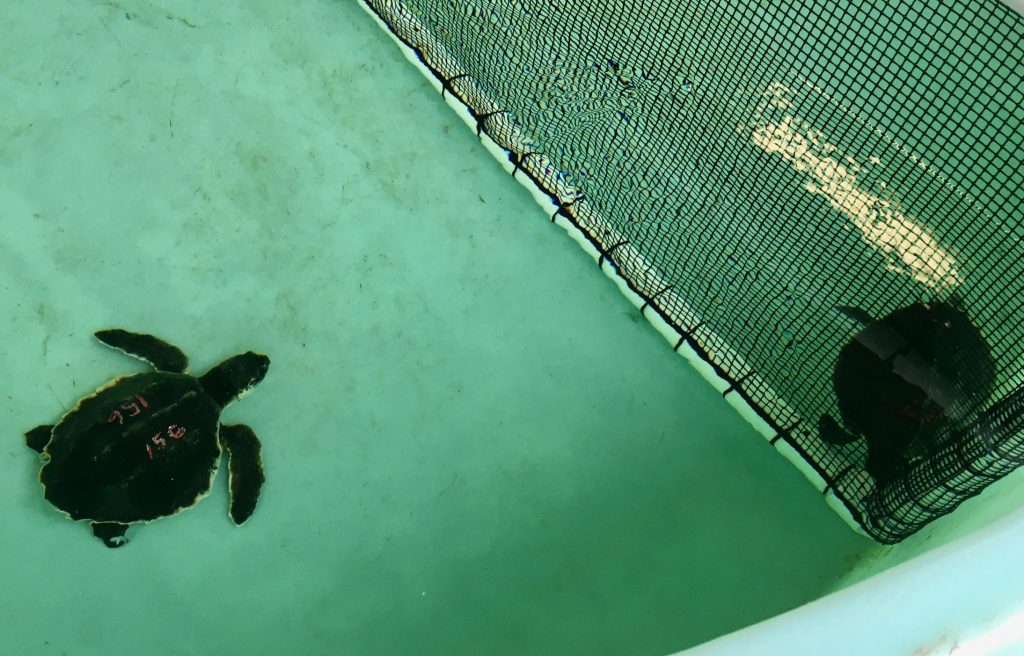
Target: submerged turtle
(148, 445)
(903, 378)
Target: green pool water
(473, 442)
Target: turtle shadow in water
(147, 446)
(902, 379)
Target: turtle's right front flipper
(147, 348)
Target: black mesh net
(796, 187)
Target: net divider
(636, 278)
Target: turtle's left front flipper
(155, 351)
(830, 431)
(245, 470)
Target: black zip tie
(733, 385)
(446, 85)
(830, 485)
(685, 335)
(600, 260)
(647, 302)
(564, 207)
(782, 433)
(518, 160)
(482, 118)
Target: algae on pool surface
(471, 446)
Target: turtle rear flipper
(147, 348)
(38, 437)
(245, 470)
(112, 533)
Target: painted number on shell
(158, 442)
(131, 408)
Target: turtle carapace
(901, 379)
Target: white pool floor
(473, 443)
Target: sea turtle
(148, 445)
(901, 379)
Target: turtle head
(235, 376)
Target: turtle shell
(143, 447)
(935, 366)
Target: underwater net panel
(822, 200)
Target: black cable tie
(732, 386)
(782, 433)
(517, 161)
(482, 118)
(604, 254)
(830, 485)
(563, 208)
(648, 301)
(685, 336)
(446, 85)
(693, 328)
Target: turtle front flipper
(38, 438)
(857, 314)
(245, 470)
(830, 431)
(147, 348)
(112, 533)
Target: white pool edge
(965, 598)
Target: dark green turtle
(901, 379)
(148, 445)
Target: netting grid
(746, 169)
